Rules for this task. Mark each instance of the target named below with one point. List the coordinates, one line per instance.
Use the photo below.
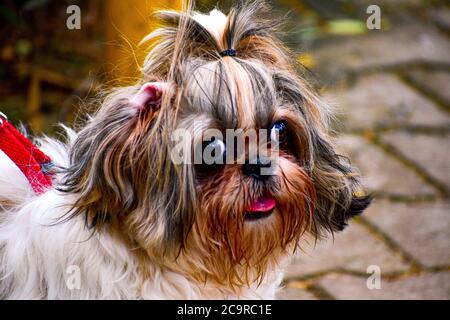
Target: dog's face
(232, 218)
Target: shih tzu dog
(124, 220)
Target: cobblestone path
(392, 92)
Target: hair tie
(228, 53)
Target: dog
(124, 220)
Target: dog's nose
(253, 168)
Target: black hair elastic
(228, 53)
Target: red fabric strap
(26, 156)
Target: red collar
(26, 156)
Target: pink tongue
(263, 205)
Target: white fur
(37, 256)
(18, 187)
(215, 22)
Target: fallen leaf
(346, 27)
(307, 59)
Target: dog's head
(231, 216)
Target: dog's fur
(139, 226)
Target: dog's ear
(121, 171)
(345, 210)
(149, 95)
(111, 157)
(339, 194)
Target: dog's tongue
(262, 205)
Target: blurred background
(390, 87)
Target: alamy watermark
(73, 277)
(374, 280)
(73, 21)
(234, 146)
(373, 22)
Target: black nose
(254, 169)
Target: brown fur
(122, 174)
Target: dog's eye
(214, 152)
(213, 155)
(278, 132)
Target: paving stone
(292, 293)
(430, 152)
(354, 249)
(423, 230)
(383, 100)
(402, 44)
(380, 171)
(426, 286)
(441, 17)
(437, 82)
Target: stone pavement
(391, 89)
